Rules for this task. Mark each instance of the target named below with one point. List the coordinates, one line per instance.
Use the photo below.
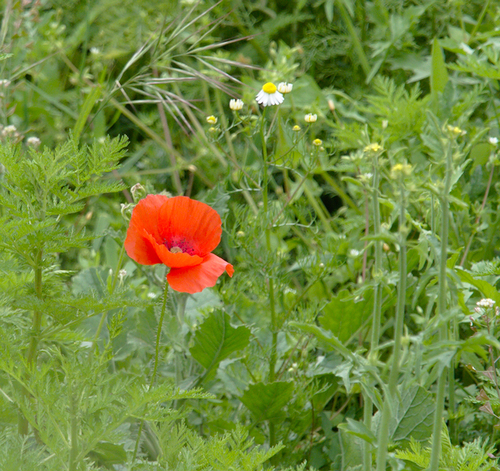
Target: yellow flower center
(269, 88)
(175, 250)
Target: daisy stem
(155, 367)
(274, 346)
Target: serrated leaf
(216, 339)
(415, 415)
(266, 401)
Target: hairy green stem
(383, 436)
(272, 308)
(155, 367)
(377, 308)
(442, 303)
(32, 353)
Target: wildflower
(296, 128)
(400, 170)
(285, 88)
(180, 233)
(310, 118)
(269, 95)
(236, 105)
(486, 303)
(331, 105)
(385, 123)
(212, 130)
(455, 131)
(493, 141)
(211, 120)
(9, 130)
(373, 148)
(354, 252)
(317, 142)
(33, 141)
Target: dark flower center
(179, 245)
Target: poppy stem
(155, 367)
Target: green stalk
(358, 47)
(32, 353)
(443, 331)
(377, 307)
(105, 313)
(274, 345)
(73, 452)
(155, 367)
(383, 436)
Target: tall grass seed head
(310, 118)
(284, 87)
(269, 95)
(236, 104)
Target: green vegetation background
(350, 336)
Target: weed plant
(358, 198)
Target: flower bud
(138, 192)
(310, 118)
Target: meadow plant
(304, 271)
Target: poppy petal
(195, 279)
(144, 221)
(191, 225)
(173, 260)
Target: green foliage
(364, 301)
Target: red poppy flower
(180, 233)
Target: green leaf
(480, 154)
(343, 316)
(415, 415)
(266, 401)
(486, 289)
(439, 74)
(108, 454)
(216, 339)
(359, 429)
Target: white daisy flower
(269, 95)
(493, 141)
(310, 118)
(211, 120)
(285, 88)
(236, 105)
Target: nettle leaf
(266, 401)
(415, 415)
(216, 339)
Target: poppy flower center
(179, 245)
